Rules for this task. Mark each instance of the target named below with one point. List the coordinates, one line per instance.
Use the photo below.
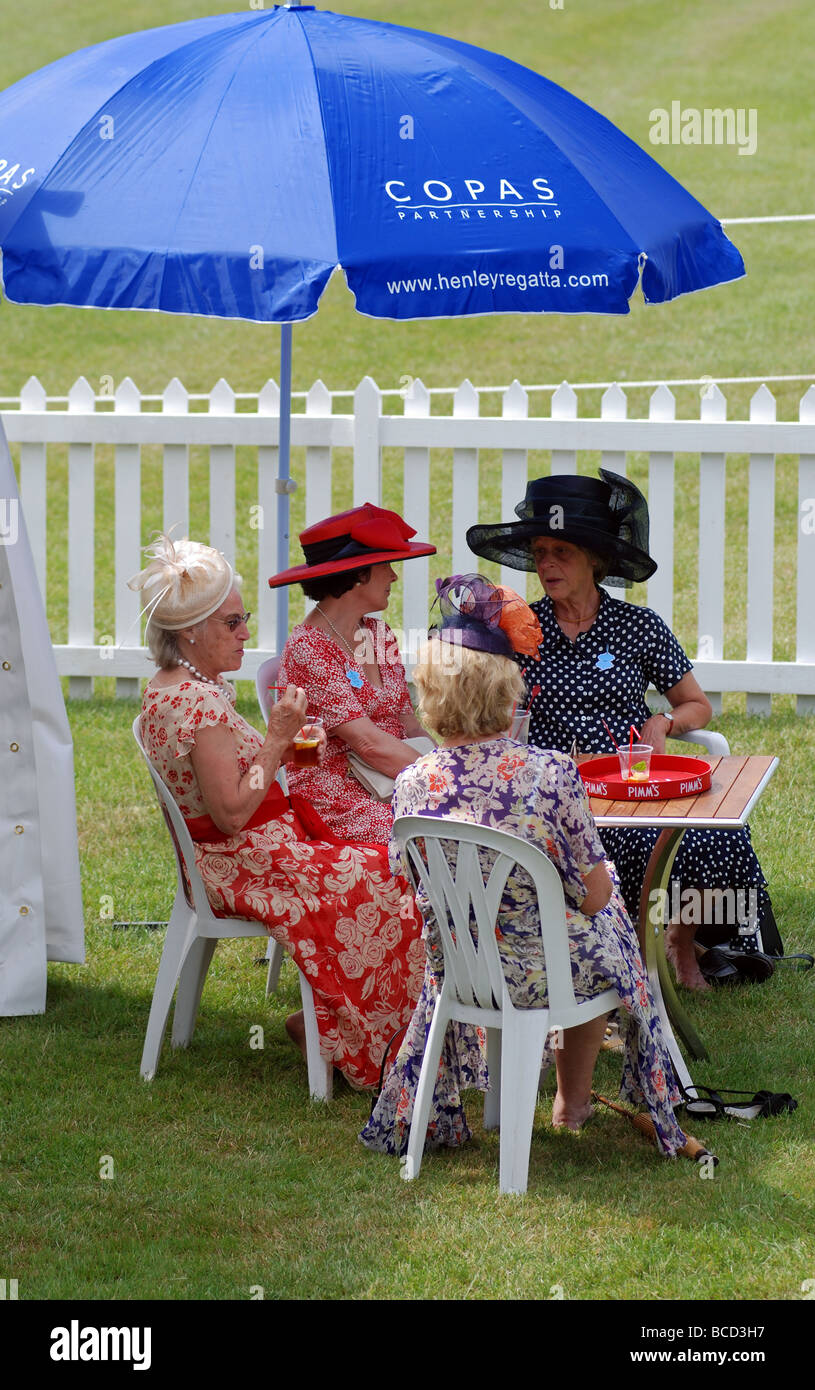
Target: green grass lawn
(226, 1177)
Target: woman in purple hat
(481, 775)
(349, 664)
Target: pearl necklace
(345, 643)
(199, 674)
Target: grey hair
(163, 644)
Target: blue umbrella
(227, 166)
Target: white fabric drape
(40, 898)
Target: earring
(192, 641)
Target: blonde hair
(465, 692)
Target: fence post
(416, 494)
(465, 483)
(176, 509)
(222, 477)
(367, 454)
(662, 406)
(614, 406)
(127, 536)
(712, 500)
(760, 551)
(318, 459)
(81, 548)
(805, 627)
(564, 407)
(514, 406)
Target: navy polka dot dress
(604, 675)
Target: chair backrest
(189, 879)
(714, 744)
(473, 968)
(266, 677)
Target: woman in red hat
(349, 664)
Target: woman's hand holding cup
(286, 717)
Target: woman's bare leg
(680, 949)
(575, 1067)
(296, 1029)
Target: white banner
(40, 897)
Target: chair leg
(274, 955)
(424, 1090)
(175, 948)
(320, 1072)
(190, 987)
(492, 1099)
(522, 1048)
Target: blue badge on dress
(354, 679)
(605, 661)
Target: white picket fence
(88, 422)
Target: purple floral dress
(538, 795)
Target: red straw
(610, 734)
(630, 747)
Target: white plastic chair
(474, 990)
(193, 932)
(714, 744)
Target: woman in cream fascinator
(349, 924)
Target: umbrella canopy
(226, 166)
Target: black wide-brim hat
(607, 515)
(351, 540)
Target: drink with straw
(307, 743)
(635, 761)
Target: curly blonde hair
(464, 692)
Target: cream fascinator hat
(184, 583)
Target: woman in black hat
(596, 662)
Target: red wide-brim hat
(365, 535)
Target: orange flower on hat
(519, 622)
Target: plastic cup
(519, 728)
(307, 743)
(635, 762)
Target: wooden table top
(736, 784)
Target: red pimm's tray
(670, 776)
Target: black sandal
(717, 970)
(721, 965)
(713, 1105)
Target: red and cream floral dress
(349, 924)
(337, 688)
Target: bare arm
(598, 890)
(384, 752)
(411, 725)
(230, 796)
(691, 710)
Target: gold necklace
(578, 622)
(338, 634)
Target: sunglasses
(234, 623)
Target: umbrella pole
(283, 483)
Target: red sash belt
(272, 807)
